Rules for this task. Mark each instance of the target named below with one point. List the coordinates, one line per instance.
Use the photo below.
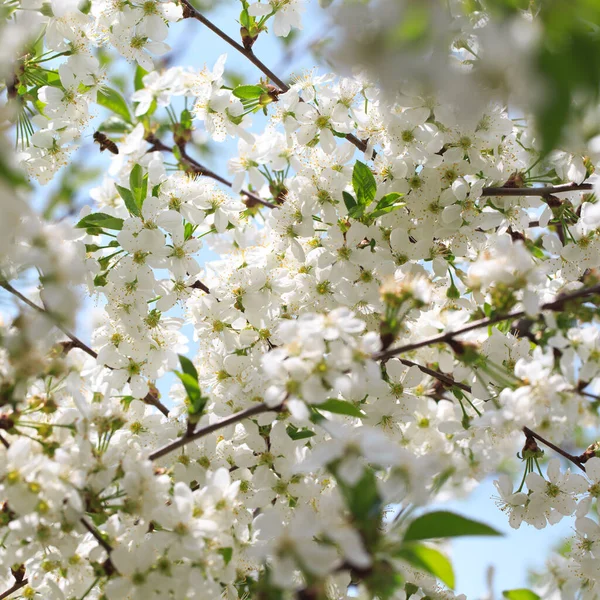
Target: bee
(105, 143)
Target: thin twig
(97, 535)
(445, 379)
(17, 586)
(76, 341)
(190, 12)
(149, 399)
(200, 169)
(230, 420)
(448, 336)
(574, 459)
(536, 191)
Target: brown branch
(152, 398)
(536, 191)
(96, 535)
(576, 460)
(16, 586)
(445, 379)
(447, 337)
(230, 420)
(200, 169)
(189, 12)
(77, 343)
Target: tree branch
(445, 379)
(76, 341)
(230, 420)
(96, 535)
(16, 586)
(536, 191)
(189, 12)
(200, 169)
(574, 459)
(557, 304)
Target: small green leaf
(112, 100)
(129, 200)
(100, 280)
(387, 200)
(299, 434)
(101, 220)
(248, 92)
(444, 524)
(428, 559)
(187, 366)
(191, 386)
(138, 82)
(520, 594)
(349, 200)
(340, 407)
(114, 125)
(364, 184)
(186, 119)
(138, 182)
(227, 554)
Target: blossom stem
(230, 420)
(574, 459)
(444, 338)
(76, 341)
(190, 12)
(16, 586)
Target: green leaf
(387, 200)
(227, 554)
(245, 19)
(248, 92)
(138, 182)
(340, 407)
(186, 119)
(299, 434)
(362, 498)
(114, 125)
(112, 100)
(428, 559)
(138, 82)
(100, 280)
(364, 184)
(135, 177)
(349, 200)
(191, 386)
(444, 524)
(129, 200)
(100, 220)
(187, 366)
(520, 594)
